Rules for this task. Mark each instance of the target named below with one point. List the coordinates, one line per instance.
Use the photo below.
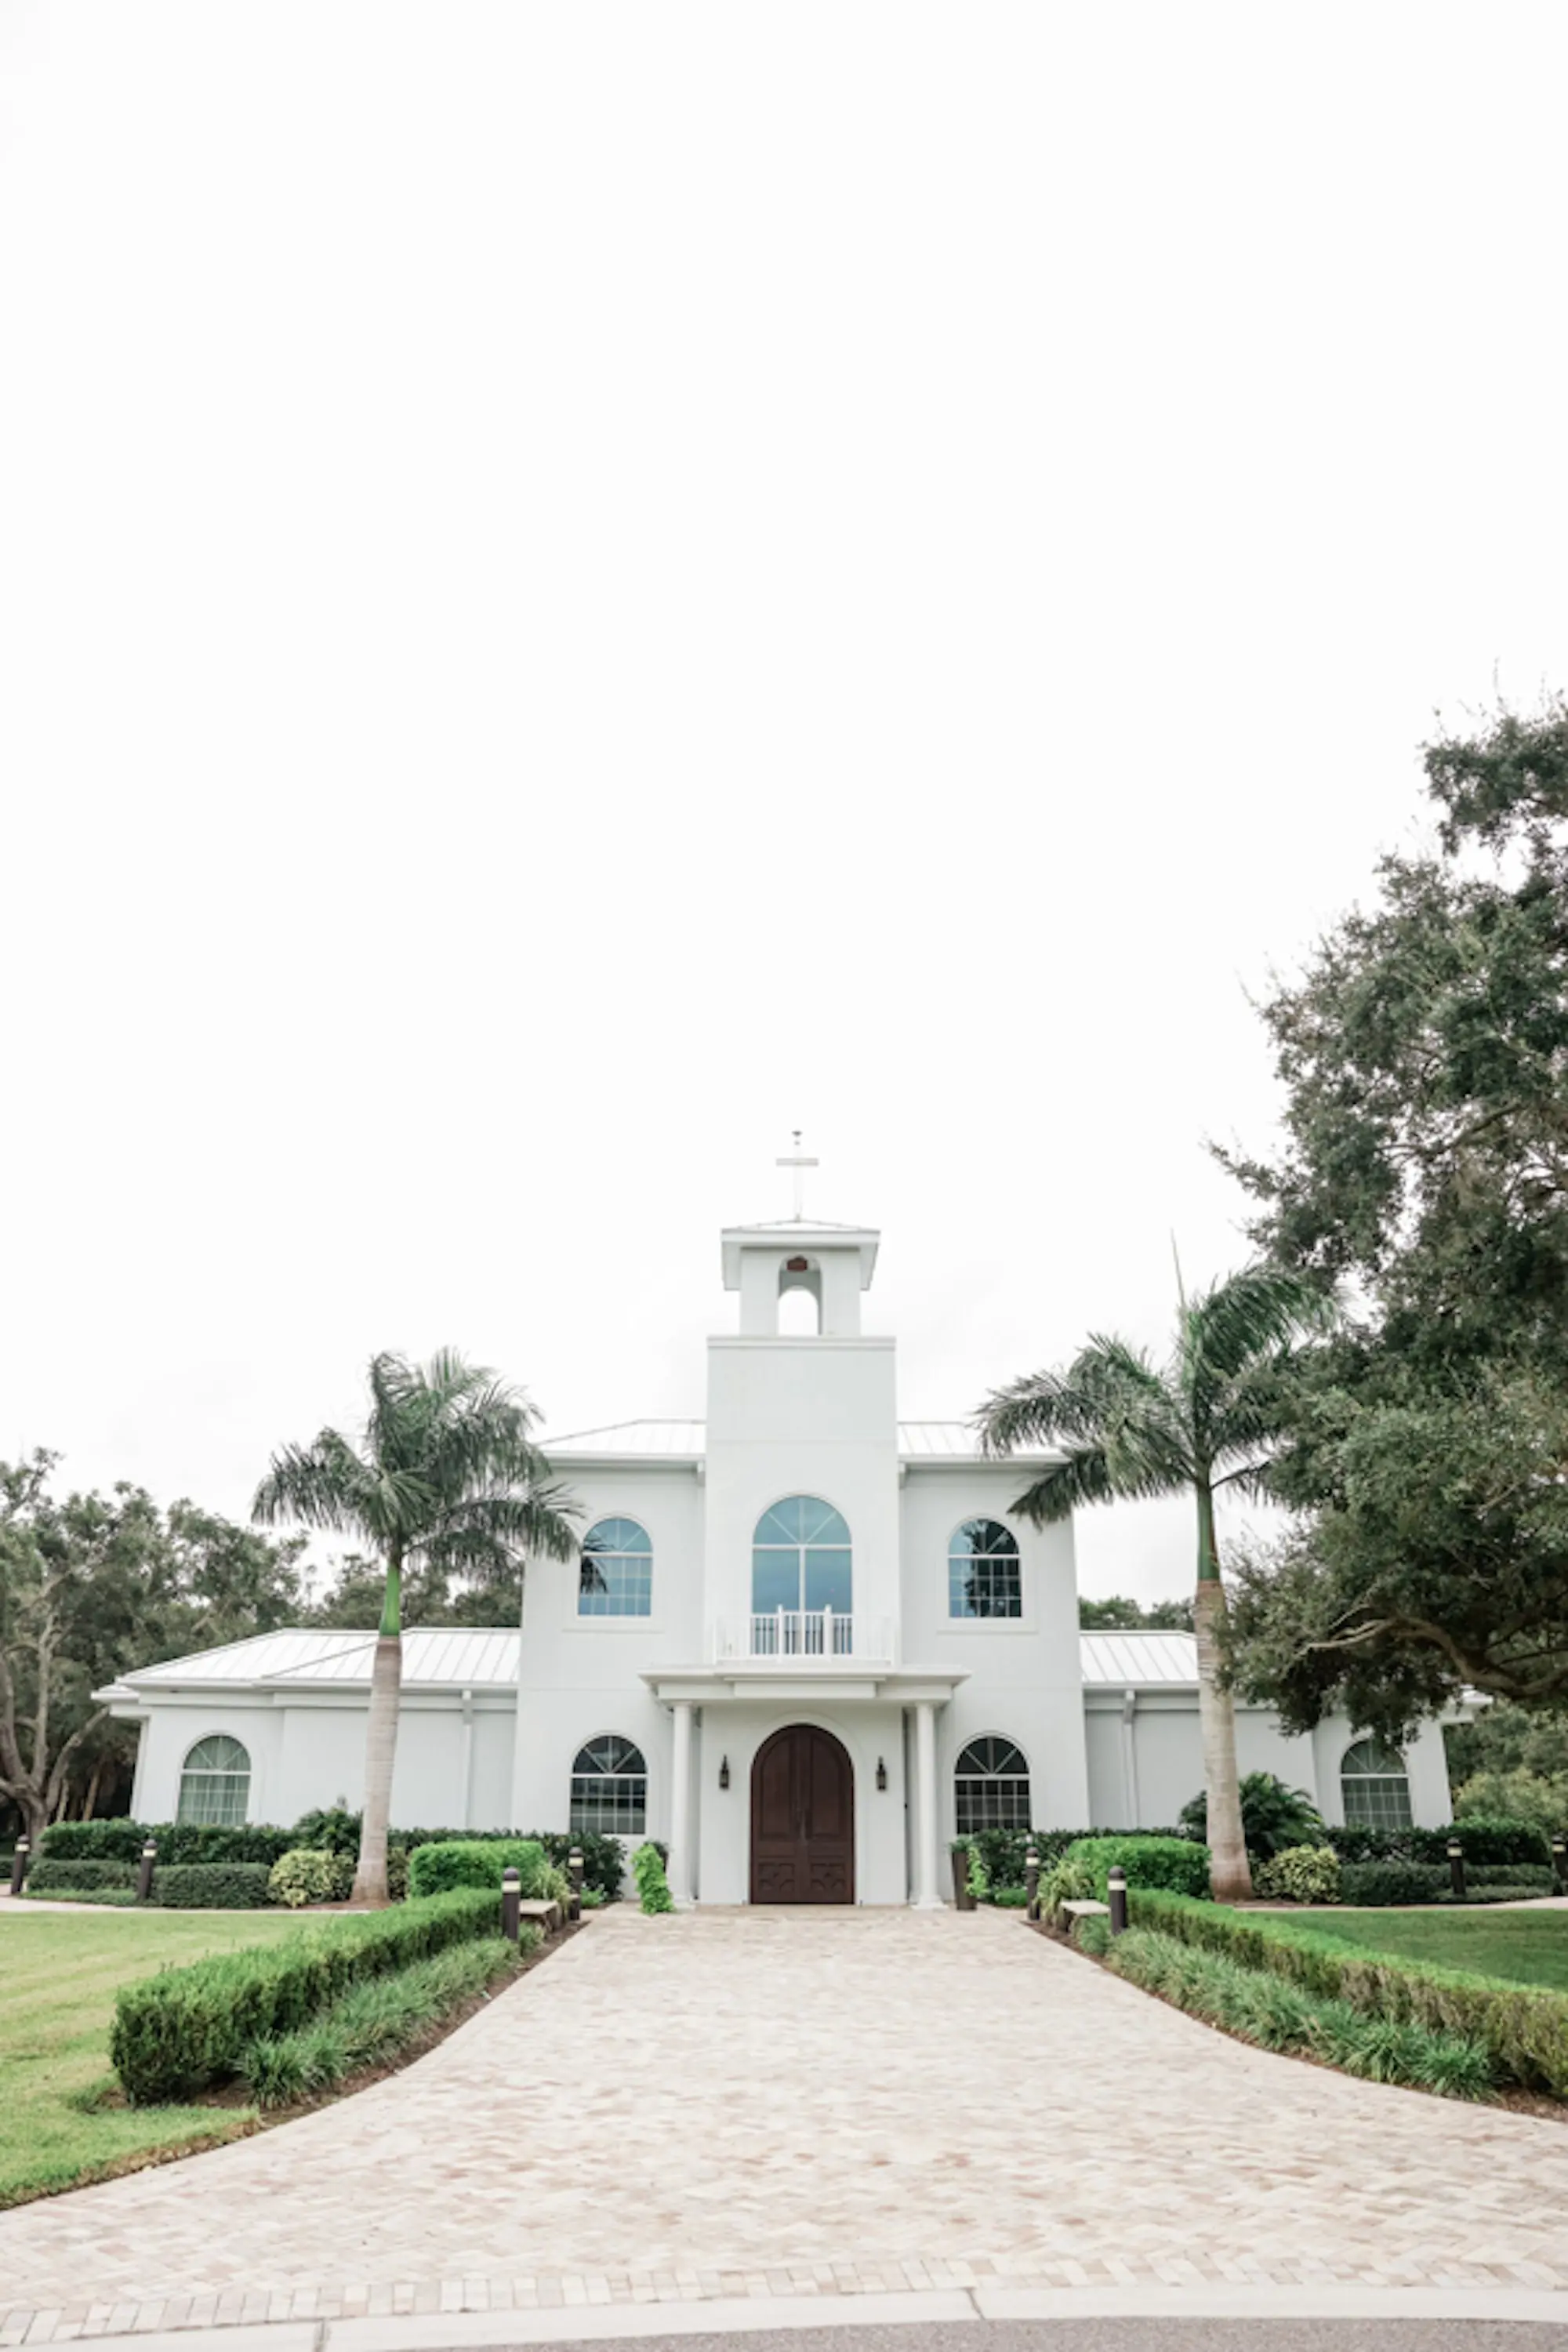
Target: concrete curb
(487, 2331)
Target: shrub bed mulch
(1515, 2098)
(227, 2096)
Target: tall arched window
(800, 1567)
(609, 1788)
(616, 1579)
(1375, 1787)
(984, 1577)
(991, 1787)
(214, 1782)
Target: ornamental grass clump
(653, 1887)
(1276, 2015)
(375, 2020)
(176, 2033)
(1523, 2029)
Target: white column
(926, 1896)
(680, 1873)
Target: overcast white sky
(580, 587)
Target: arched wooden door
(803, 1818)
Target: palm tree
(446, 1477)
(1210, 1418)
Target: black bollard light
(19, 1865)
(1457, 1869)
(510, 1902)
(144, 1874)
(1116, 1890)
(1032, 1883)
(1560, 1862)
(575, 1880)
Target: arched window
(609, 1788)
(991, 1787)
(616, 1579)
(1375, 1787)
(984, 1578)
(800, 1567)
(214, 1782)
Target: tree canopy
(92, 1585)
(1424, 1054)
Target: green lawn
(1525, 1947)
(58, 1976)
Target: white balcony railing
(806, 1636)
(803, 1633)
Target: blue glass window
(616, 1579)
(984, 1575)
(800, 1559)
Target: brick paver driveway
(757, 2102)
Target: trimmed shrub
(478, 1861)
(176, 2033)
(117, 1897)
(311, 1874)
(1302, 1873)
(375, 2019)
(1260, 2007)
(1008, 1898)
(1177, 1863)
(1523, 2027)
(183, 1841)
(653, 1887)
(211, 1886)
(1370, 1885)
(49, 1878)
(1484, 1840)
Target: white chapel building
(806, 1645)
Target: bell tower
(798, 1414)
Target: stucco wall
(1167, 1756)
(1023, 1676)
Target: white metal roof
(456, 1656)
(467, 1657)
(678, 1441)
(1126, 1661)
(684, 1440)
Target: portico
(883, 1719)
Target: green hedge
(1149, 1860)
(176, 2033)
(332, 1830)
(1523, 2027)
(211, 1886)
(476, 1862)
(1367, 1885)
(47, 1876)
(1484, 1838)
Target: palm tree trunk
(370, 1888)
(1230, 1878)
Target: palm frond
(322, 1485)
(1252, 1313)
(1110, 1403)
(1066, 1487)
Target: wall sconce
(723, 1771)
(881, 1774)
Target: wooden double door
(803, 1818)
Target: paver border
(488, 2331)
